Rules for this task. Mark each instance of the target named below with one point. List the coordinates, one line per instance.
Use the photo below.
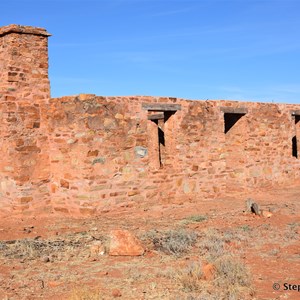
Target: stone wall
(105, 150)
(24, 86)
(87, 154)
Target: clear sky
(194, 49)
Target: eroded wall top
(13, 28)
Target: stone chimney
(24, 94)
(24, 63)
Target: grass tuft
(212, 244)
(193, 219)
(175, 242)
(231, 271)
(190, 277)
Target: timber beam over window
(232, 115)
(161, 107)
(295, 113)
(159, 116)
(234, 110)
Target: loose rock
(116, 293)
(208, 272)
(266, 214)
(123, 242)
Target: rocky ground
(203, 249)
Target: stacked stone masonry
(86, 154)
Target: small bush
(175, 242)
(190, 278)
(26, 248)
(291, 232)
(149, 235)
(245, 228)
(232, 275)
(231, 279)
(212, 244)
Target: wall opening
(235, 129)
(294, 138)
(160, 131)
(160, 121)
(232, 116)
(230, 119)
(294, 147)
(161, 141)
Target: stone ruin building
(86, 153)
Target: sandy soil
(53, 257)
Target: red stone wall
(104, 151)
(86, 154)
(24, 86)
(259, 147)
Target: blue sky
(195, 49)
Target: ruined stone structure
(86, 153)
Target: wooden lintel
(295, 112)
(160, 116)
(161, 106)
(234, 110)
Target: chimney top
(13, 28)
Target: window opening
(294, 146)
(230, 119)
(296, 115)
(160, 120)
(159, 114)
(161, 141)
(232, 115)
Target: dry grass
(212, 244)
(175, 241)
(190, 277)
(232, 278)
(84, 294)
(61, 248)
(193, 219)
(291, 232)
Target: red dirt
(271, 250)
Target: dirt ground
(54, 257)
